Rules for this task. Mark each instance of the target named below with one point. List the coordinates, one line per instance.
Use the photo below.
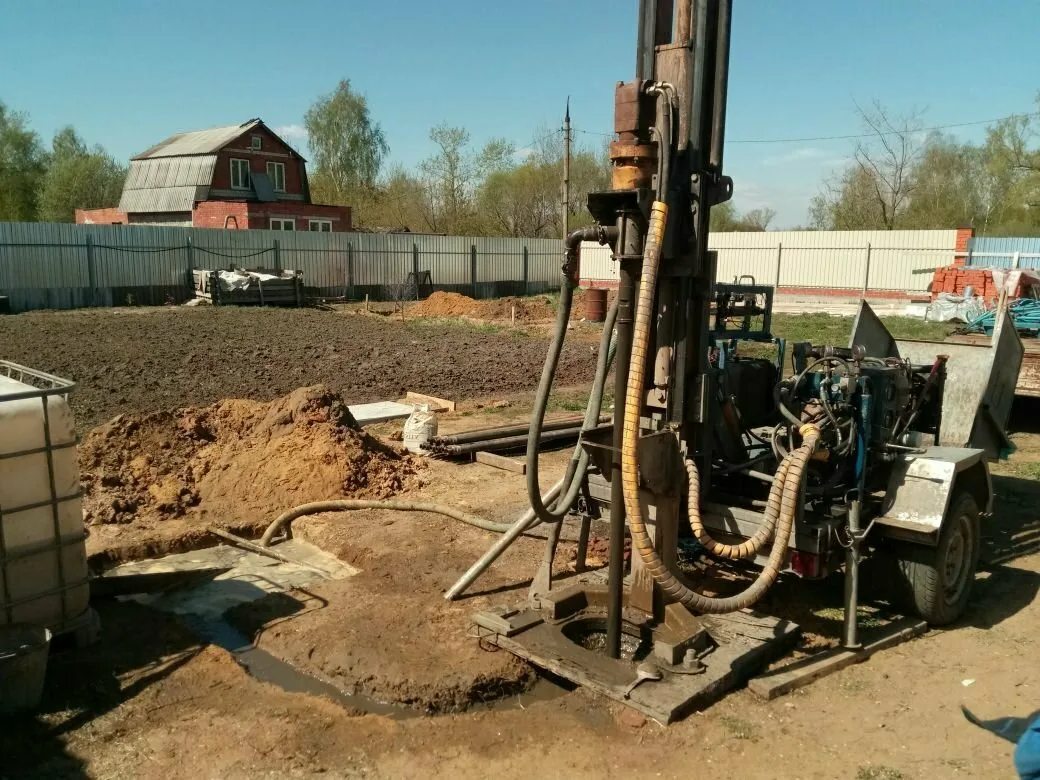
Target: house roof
(177, 172)
(163, 184)
(196, 142)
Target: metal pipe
(522, 523)
(506, 442)
(718, 114)
(486, 434)
(850, 629)
(616, 561)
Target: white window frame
(282, 222)
(318, 221)
(256, 143)
(248, 181)
(276, 166)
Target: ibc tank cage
(43, 567)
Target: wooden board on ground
(727, 666)
(799, 673)
(436, 404)
(501, 462)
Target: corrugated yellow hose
(784, 498)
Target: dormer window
(256, 143)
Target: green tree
(452, 176)
(22, 164)
(77, 177)
(348, 147)
(725, 219)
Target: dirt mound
(443, 304)
(235, 462)
(533, 309)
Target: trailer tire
(936, 581)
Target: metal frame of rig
(878, 447)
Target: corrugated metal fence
(62, 266)
(1004, 252)
(853, 260)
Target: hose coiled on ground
(784, 497)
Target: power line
(851, 136)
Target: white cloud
(524, 153)
(804, 154)
(292, 132)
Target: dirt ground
(151, 700)
(143, 360)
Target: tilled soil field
(143, 360)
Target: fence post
(348, 283)
(779, 254)
(473, 268)
(1017, 259)
(278, 255)
(415, 268)
(866, 273)
(527, 290)
(91, 271)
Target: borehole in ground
(591, 634)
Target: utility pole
(567, 169)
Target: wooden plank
(501, 462)
(436, 404)
(795, 675)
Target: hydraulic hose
(746, 549)
(579, 462)
(785, 495)
(349, 504)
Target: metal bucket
(595, 305)
(23, 666)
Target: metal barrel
(595, 305)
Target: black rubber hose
(576, 468)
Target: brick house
(236, 177)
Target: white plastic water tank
(43, 562)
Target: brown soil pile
(533, 309)
(234, 463)
(443, 304)
(448, 304)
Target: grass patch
(878, 772)
(738, 727)
(836, 329)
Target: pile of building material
(986, 283)
(505, 438)
(244, 286)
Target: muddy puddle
(200, 588)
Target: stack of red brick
(954, 278)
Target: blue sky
(127, 74)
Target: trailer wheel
(936, 581)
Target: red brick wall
(272, 150)
(230, 214)
(253, 215)
(109, 216)
(964, 236)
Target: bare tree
(889, 158)
(876, 189)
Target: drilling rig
(714, 456)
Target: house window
(320, 225)
(256, 143)
(279, 223)
(276, 173)
(239, 174)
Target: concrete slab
(248, 577)
(380, 411)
